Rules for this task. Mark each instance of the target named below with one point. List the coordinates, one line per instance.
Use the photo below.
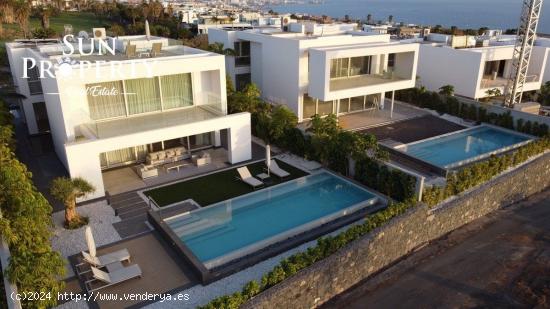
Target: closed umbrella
(90, 241)
(147, 30)
(268, 157)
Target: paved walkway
(499, 261)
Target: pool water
(230, 229)
(455, 148)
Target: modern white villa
(474, 65)
(146, 102)
(319, 69)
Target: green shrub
(325, 247)
(483, 171)
(394, 183)
(452, 106)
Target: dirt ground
(499, 261)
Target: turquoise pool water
(230, 229)
(455, 148)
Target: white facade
(108, 111)
(298, 68)
(474, 71)
(545, 42)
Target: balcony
(151, 121)
(489, 82)
(363, 81)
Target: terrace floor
(412, 130)
(162, 270)
(376, 117)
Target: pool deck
(163, 271)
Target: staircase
(132, 210)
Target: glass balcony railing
(344, 83)
(210, 108)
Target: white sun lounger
(275, 169)
(118, 276)
(109, 258)
(245, 175)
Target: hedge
(483, 171)
(392, 182)
(452, 106)
(26, 227)
(324, 248)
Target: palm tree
(67, 190)
(22, 12)
(45, 13)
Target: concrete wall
(440, 66)
(317, 284)
(546, 43)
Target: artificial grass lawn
(79, 20)
(216, 187)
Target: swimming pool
(465, 146)
(228, 230)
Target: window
(242, 53)
(242, 80)
(357, 103)
(142, 95)
(360, 65)
(35, 87)
(177, 90)
(391, 60)
(344, 106)
(325, 107)
(41, 116)
(309, 108)
(347, 67)
(312, 106)
(106, 106)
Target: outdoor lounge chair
(111, 278)
(155, 49)
(130, 51)
(109, 258)
(275, 169)
(245, 175)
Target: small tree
(544, 94)
(447, 90)
(495, 92)
(272, 126)
(67, 190)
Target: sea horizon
(495, 14)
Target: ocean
(497, 14)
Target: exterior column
(392, 101)
(239, 139)
(217, 139)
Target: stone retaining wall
(317, 284)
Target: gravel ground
(200, 295)
(70, 242)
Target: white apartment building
(474, 65)
(319, 69)
(112, 110)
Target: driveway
(501, 260)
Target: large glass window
(242, 53)
(325, 107)
(360, 65)
(308, 107)
(339, 67)
(142, 95)
(242, 80)
(357, 103)
(176, 90)
(372, 101)
(103, 106)
(391, 60)
(33, 81)
(344, 106)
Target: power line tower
(522, 51)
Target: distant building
(319, 68)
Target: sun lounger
(275, 169)
(245, 175)
(111, 278)
(113, 257)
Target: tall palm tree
(22, 11)
(67, 190)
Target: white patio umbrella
(90, 241)
(147, 30)
(268, 157)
